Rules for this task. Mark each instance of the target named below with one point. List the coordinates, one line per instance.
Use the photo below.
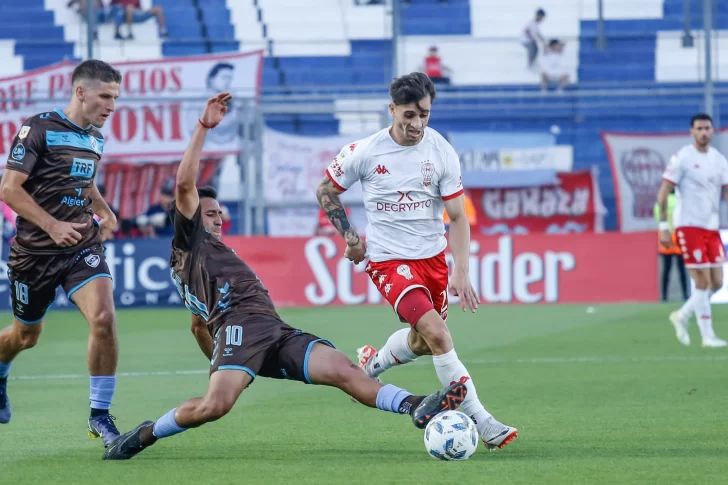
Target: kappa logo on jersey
(428, 171)
(352, 147)
(387, 287)
(402, 195)
(92, 260)
(381, 170)
(404, 270)
(381, 279)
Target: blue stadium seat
(185, 31)
(214, 14)
(221, 31)
(174, 4)
(224, 46)
(11, 14)
(182, 15)
(172, 48)
(55, 50)
(29, 32)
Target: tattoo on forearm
(334, 210)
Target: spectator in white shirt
(531, 37)
(552, 68)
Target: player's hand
(216, 109)
(107, 226)
(65, 234)
(356, 253)
(666, 238)
(460, 286)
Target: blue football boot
(103, 427)
(4, 403)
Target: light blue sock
(390, 398)
(5, 369)
(167, 426)
(102, 391)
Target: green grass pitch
(608, 397)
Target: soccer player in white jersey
(699, 174)
(410, 174)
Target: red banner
(573, 206)
(539, 268)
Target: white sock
(395, 352)
(686, 311)
(449, 370)
(703, 314)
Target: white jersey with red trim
(404, 188)
(699, 178)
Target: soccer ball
(451, 435)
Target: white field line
(527, 361)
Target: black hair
(202, 193)
(412, 88)
(700, 117)
(217, 68)
(541, 12)
(208, 192)
(95, 70)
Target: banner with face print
(159, 103)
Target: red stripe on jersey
(334, 181)
(456, 194)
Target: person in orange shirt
(667, 254)
(469, 213)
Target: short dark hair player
(50, 182)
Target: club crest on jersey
(92, 260)
(94, 144)
(23, 132)
(404, 270)
(428, 171)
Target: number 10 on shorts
(21, 292)
(234, 335)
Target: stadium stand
(348, 48)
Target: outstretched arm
(328, 197)
(186, 190)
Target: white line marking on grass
(64, 377)
(599, 360)
(530, 361)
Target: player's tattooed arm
(328, 197)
